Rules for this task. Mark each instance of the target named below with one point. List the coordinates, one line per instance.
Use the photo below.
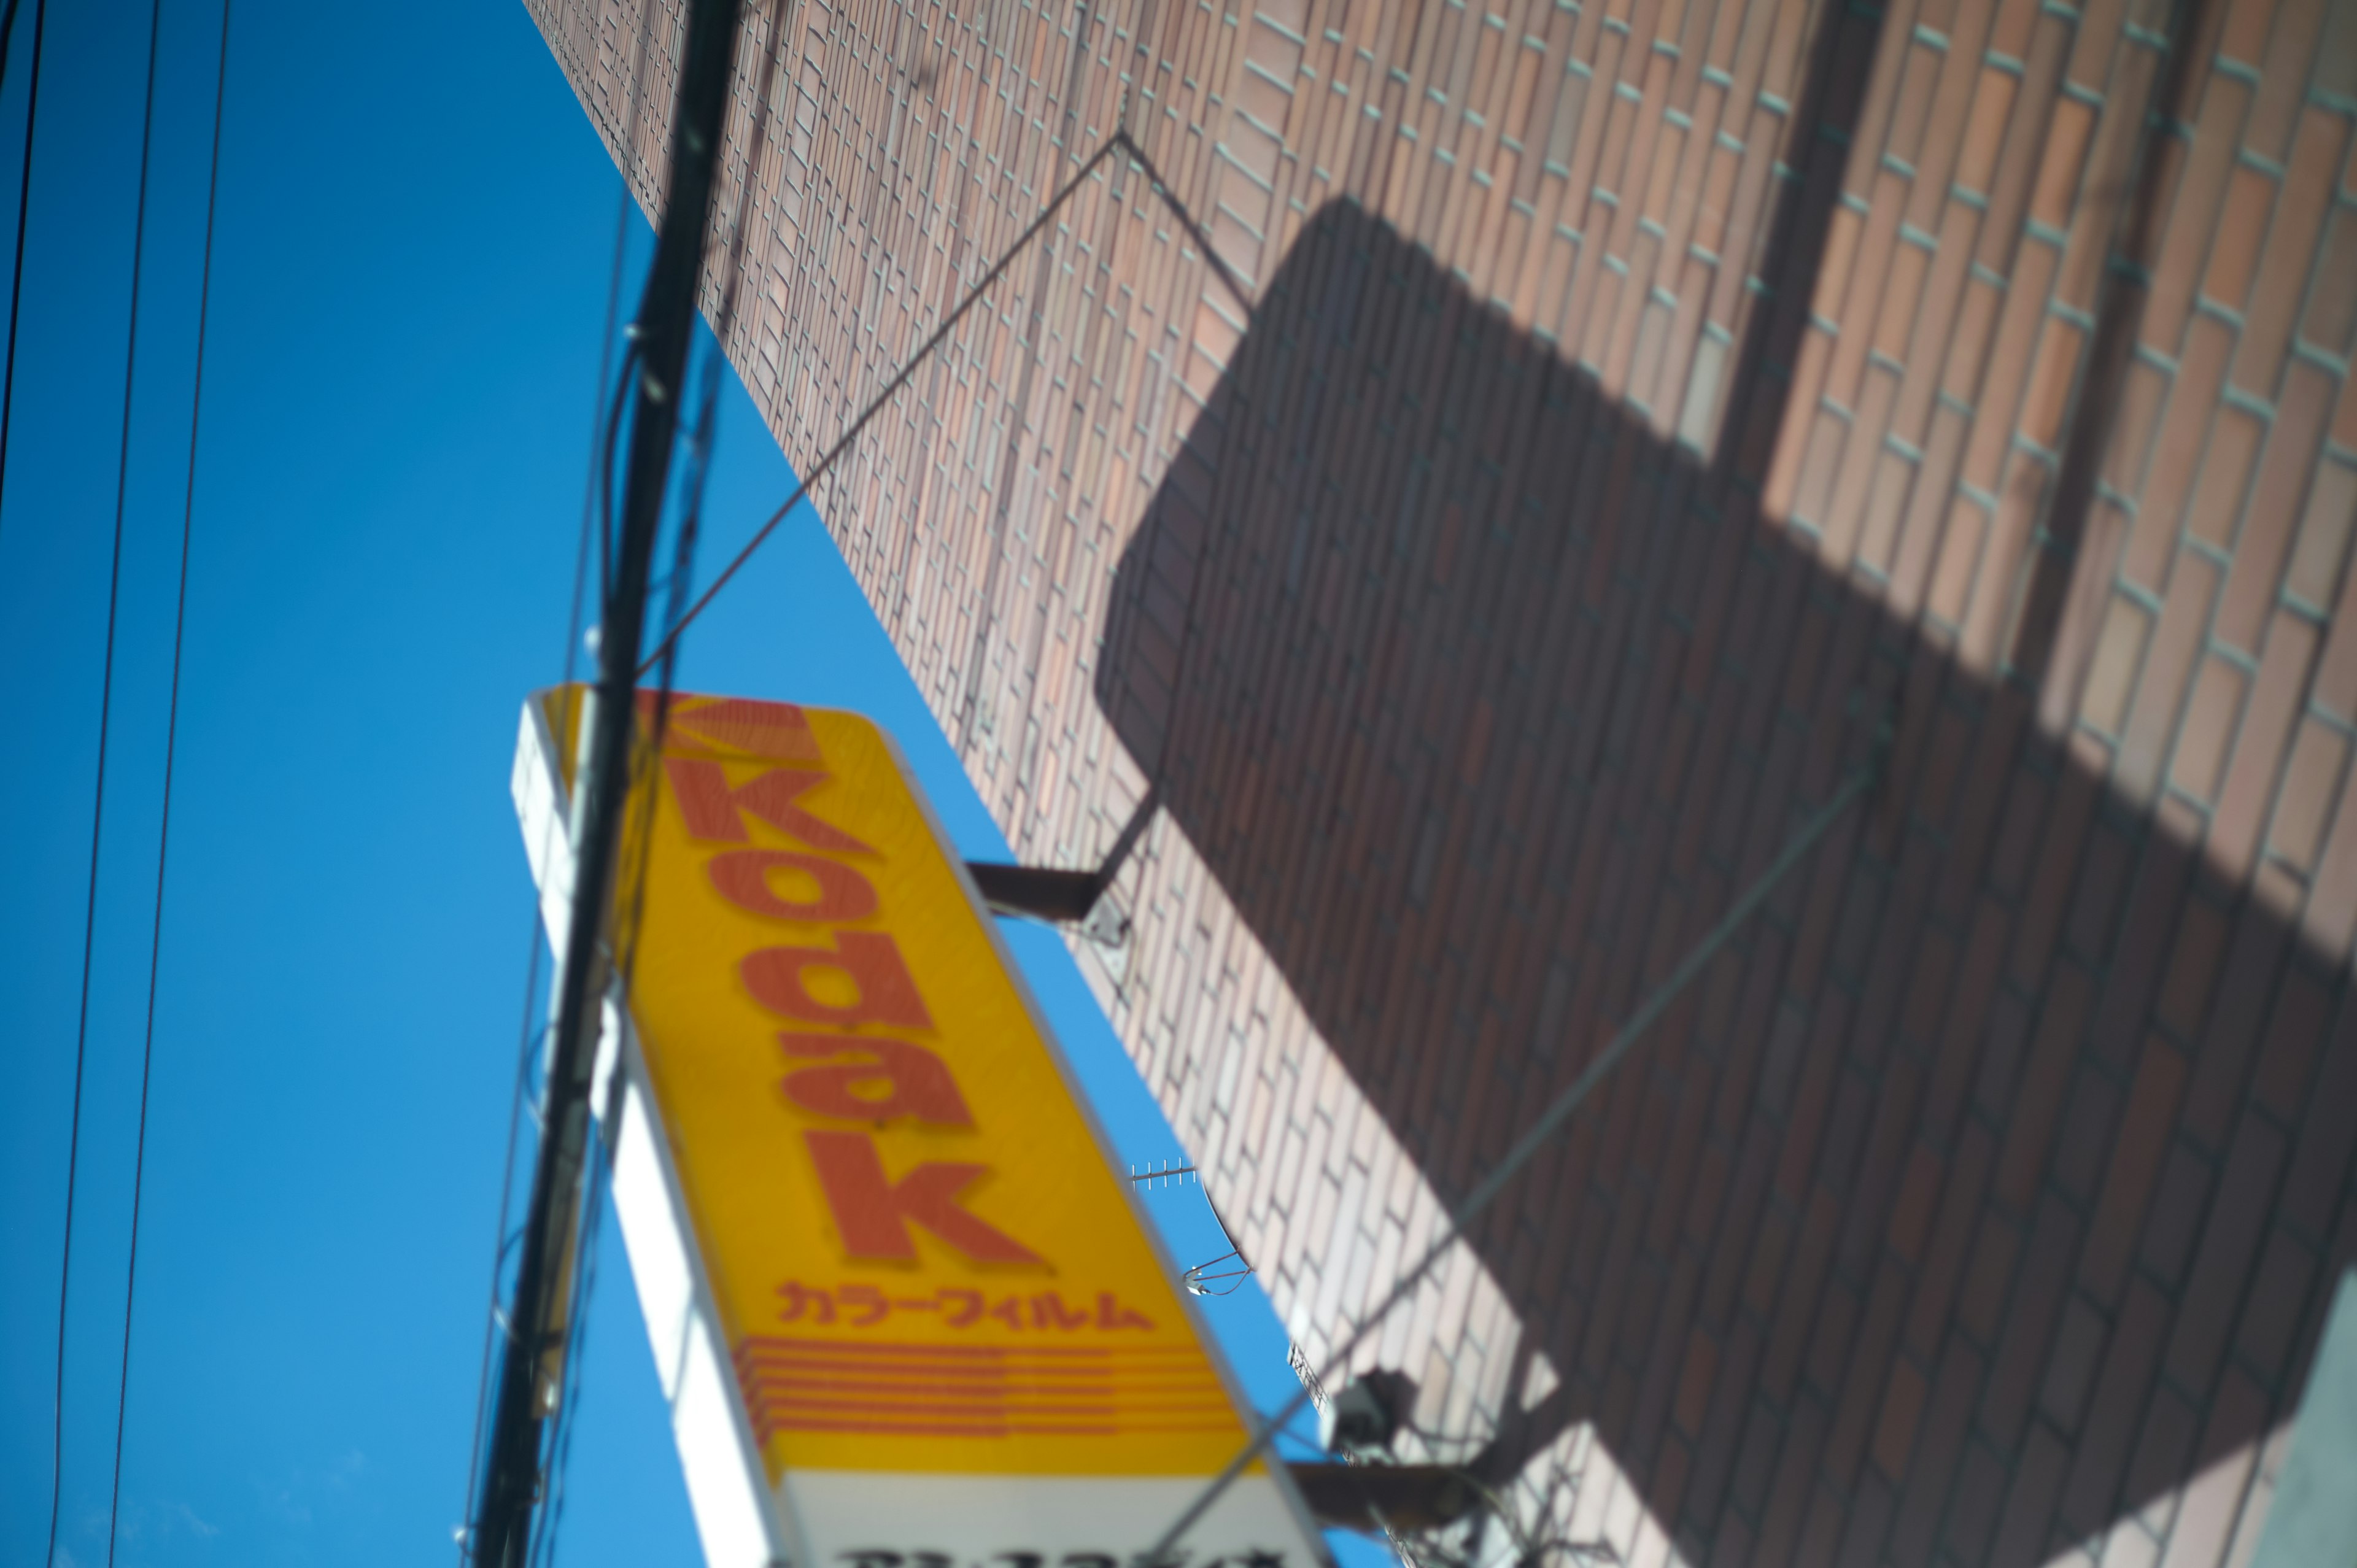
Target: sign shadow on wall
(1481, 701)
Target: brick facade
(1486, 470)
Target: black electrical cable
(595, 490)
(24, 213)
(527, 1044)
(576, 1343)
(500, 1240)
(171, 746)
(600, 450)
(605, 492)
(599, 494)
(98, 794)
(699, 470)
(7, 32)
(543, 1548)
(511, 1487)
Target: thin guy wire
(98, 794)
(595, 499)
(598, 423)
(171, 747)
(1541, 1130)
(492, 1318)
(541, 1548)
(526, 1043)
(24, 214)
(601, 1157)
(540, 1543)
(843, 443)
(601, 496)
(602, 1134)
(623, 383)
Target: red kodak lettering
(775, 730)
(898, 1078)
(742, 876)
(778, 978)
(713, 807)
(874, 1213)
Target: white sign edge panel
(726, 1488)
(1001, 1518)
(741, 1522)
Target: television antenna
(1166, 1173)
(1217, 1277)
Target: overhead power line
(527, 1037)
(598, 1179)
(24, 213)
(7, 32)
(97, 793)
(501, 1532)
(171, 751)
(594, 486)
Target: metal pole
(665, 324)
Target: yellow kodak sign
(919, 1256)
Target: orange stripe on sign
(936, 1372)
(980, 1407)
(965, 1390)
(898, 1348)
(931, 1429)
(792, 1408)
(962, 1377)
(768, 1427)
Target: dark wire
(605, 490)
(682, 568)
(599, 492)
(557, 1452)
(542, 1549)
(24, 212)
(601, 455)
(171, 747)
(8, 30)
(594, 489)
(494, 1322)
(577, 1333)
(528, 1046)
(603, 1130)
(97, 796)
(699, 470)
(875, 405)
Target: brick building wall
(1485, 468)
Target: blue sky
(409, 277)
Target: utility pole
(512, 1476)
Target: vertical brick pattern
(1488, 499)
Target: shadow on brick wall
(1986, 1189)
